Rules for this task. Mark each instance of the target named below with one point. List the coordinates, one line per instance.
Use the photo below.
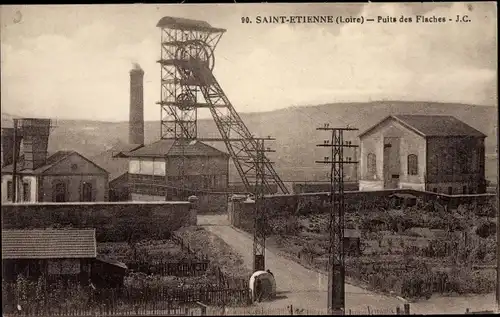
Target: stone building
(424, 152)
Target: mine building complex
(434, 153)
(64, 176)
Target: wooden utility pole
(14, 164)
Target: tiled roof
(51, 160)
(49, 244)
(432, 125)
(167, 147)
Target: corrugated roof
(166, 147)
(432, 125)
(49, 244)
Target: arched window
(371, 165)
(412, 164)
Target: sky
(73, 61)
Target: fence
(115, 302)
(291, 310)
(186, 247)
(223, 280)
(181, 269)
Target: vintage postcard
(255, 159)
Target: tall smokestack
(136, 119)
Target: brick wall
(113, 221)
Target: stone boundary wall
(113, 221)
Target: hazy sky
(73, 61)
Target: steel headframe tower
(336, 264)
(188, 84)
(259, 238)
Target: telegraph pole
(336, 263)
(14, 163)
(259, 238)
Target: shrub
(486, 229)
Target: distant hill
(294, 129)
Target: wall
(112, 221)
(74, 186)
(33, 187)
(444, 164)
(409, 143)
(241, 211)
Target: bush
(486, 229)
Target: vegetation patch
(414, 251)
(220, 254)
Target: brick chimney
(136, 115)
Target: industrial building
(29, 174)
(168, 169)
(424, 152)
(174, 170)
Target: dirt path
(307, 289)
(296, 285)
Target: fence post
(407, 309)
(398, 310)
(291, 309)
(368, 310)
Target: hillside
(294, 129)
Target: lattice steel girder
(336, 263)
(187, 60)
(230, 122)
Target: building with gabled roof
(48, 252)
(58, 253)
(174, 170)
(425, 152)
(65, 176)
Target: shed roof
(187, 25)
(432, 125)
(49, 244)
(169, 147)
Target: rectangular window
(86, 192)
(10, 190)
(464, 190)
(412, 164)
(450, 190)
(59, 193)
(26, 192)
(435, 190)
